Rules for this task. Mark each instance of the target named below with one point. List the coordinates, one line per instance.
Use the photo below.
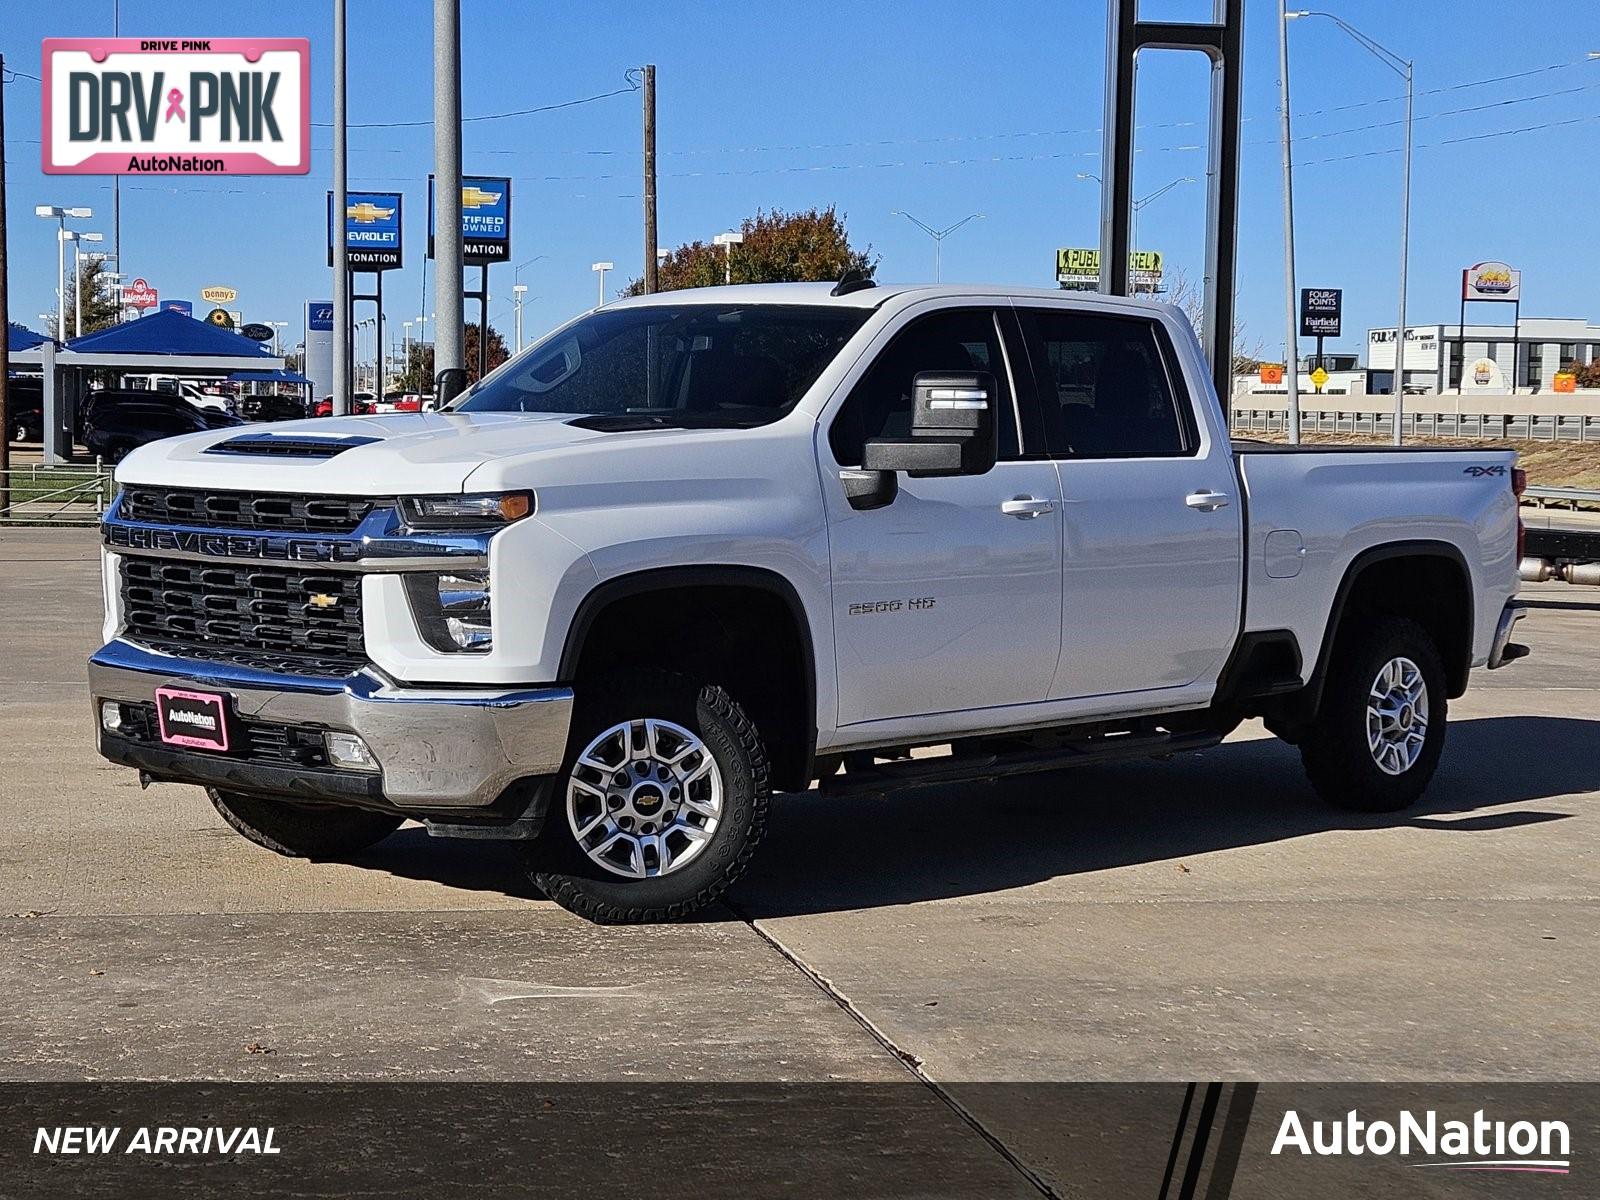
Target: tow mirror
(448, 384)
(953, 428)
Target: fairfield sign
(169, 106)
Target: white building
(1490, 360)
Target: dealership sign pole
(1493, 282)
(372, 235)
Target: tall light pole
(518, 290)
(277, 336)
(600, 269)
(52, 212)
(728, 241)
(77, 239)
(449, 350)
(1291, 336)
(938, 236)
(1403, 68)
(343, 309)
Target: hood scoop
(281, 445)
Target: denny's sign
(169, 106)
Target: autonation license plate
(195, 719)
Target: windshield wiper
(626, 422)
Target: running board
(910, 773)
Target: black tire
(303, 830)
(561, 869)
(1338, 758)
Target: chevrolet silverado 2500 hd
(698, 546)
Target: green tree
(96, 295)
(418, 375)
(778, 247)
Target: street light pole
(519, 290)
(600, 268)
(77, 239)
(1402, 67)
(728, 241)
(342, 308)
(1291, 335)
(938, 236)
(52, 212)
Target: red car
(358, 407)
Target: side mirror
(953, 428)
(448, 384)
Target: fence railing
(1561, 497)
(1527, 427)
(39, 495)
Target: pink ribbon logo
(175, 106)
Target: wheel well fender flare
(1366, 559)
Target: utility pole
(5, 319)
(651, 280)
(449, 338)
(1291, 342)
(116, 180)
(342, 313)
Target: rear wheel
(1380, 731)
(662, 802)
(303, 830)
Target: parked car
(111, 430)
(360, 406)
(25, 409)
(616, 601)
(102, 399)
(201, 395)
(273, 406)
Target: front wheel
(661, 805)
(303, 830)
(1380, 730)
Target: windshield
(689, 364)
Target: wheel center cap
(647, 799)
(1405, 716)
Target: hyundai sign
(485, 219)
(371, 230)
(171, 106)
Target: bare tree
(1182, 293)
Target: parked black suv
(115, 424)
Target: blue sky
(939, 108)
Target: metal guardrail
(1561, 497)
(41, 495)
(1527, 427)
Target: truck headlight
(481, 512)
(453, 610)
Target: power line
(632, 86)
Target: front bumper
(436, 748)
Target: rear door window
(1105, 386)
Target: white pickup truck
(696, 547)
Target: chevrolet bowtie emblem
(366, 213)
(323, 600)
(473, 197)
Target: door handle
(1026, 507)
(1206, 501)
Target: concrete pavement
(1205, 917)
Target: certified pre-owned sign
(170, 106)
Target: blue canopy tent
(172, 335)
(20, 337)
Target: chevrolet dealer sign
(169, 106)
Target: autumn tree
(778, 247)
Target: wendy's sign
(171, 106)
